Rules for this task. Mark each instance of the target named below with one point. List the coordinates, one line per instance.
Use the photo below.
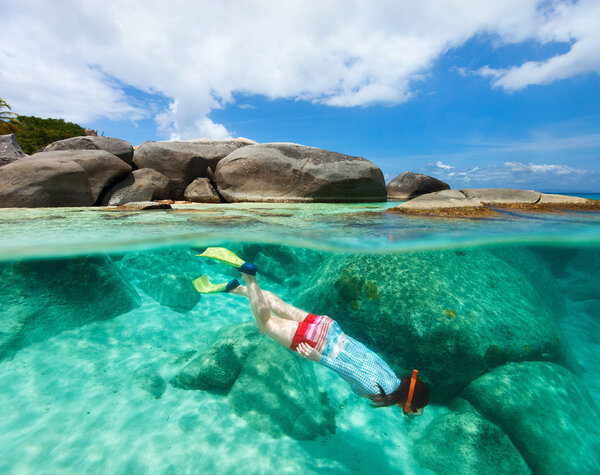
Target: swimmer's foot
(205, 286)
(227, 257)
(240, 290)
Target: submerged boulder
(10, 150)
(465, 442)
(547, 413)
(140, 185)
(118, 147)
(147, 378)
(454, 314)
(272, 389)
(285, 172)
(409, 185)
(43, 298)
(165, 275)
(183, 162)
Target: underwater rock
(118, 147)
(465, 442)
(183, 162)
(148, 379)
(583, 288)
(171, 290)
(272, 389)
(220, 365)
(409, 185)
(140, 185)
(276, 393)
(43, 298)
(547, 413)
(285, 172)
(537, 271)
(453, 314)
(166, 275)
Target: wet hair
(400, 395)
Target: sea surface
(111, 362)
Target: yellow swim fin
(227, 257)
(205, 286)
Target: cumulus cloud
(73, 59)
(513, 174)
(441, 164)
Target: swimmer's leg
(279, 329)
(278, 307)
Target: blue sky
(476, 94)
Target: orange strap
(411, 390)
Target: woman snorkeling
(320, 339)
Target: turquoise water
(110, 362)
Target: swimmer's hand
(308, 352)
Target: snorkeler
(320, 339)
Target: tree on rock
(35, 133)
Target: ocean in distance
(111, 362)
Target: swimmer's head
(419, 399)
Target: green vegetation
(34, 133)
(8, 123)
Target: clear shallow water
(97, 317)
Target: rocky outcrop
(483, 203)
(443, 203)
(498, 197)
(410, 185)
(43, 298)
(453, 314)
(271, 388)
(10, 150)
(101, 168)
(144, 206)
(183, 162)
(547, 413)
(140, 185)
(44, 182)
(118, 147)
(201, 191)
(463, 441)
(284, 172)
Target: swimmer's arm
(308, 352)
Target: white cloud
(70, 59)
(441, 164)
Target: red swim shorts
(312, 330)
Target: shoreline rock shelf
(483, 202)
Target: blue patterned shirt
(357, 365)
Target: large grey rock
(563, 202)
(284, 172)
(140, 185)
(10, 150)
(454, 314)
(44, 183)
(101, 168)
(272, 388)
(547, 413)
(39, 299)
(465, 442)
(502, 196)
(118, 147)
(183, 162)
(201, 191)
(410, 185)
(443, 203)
